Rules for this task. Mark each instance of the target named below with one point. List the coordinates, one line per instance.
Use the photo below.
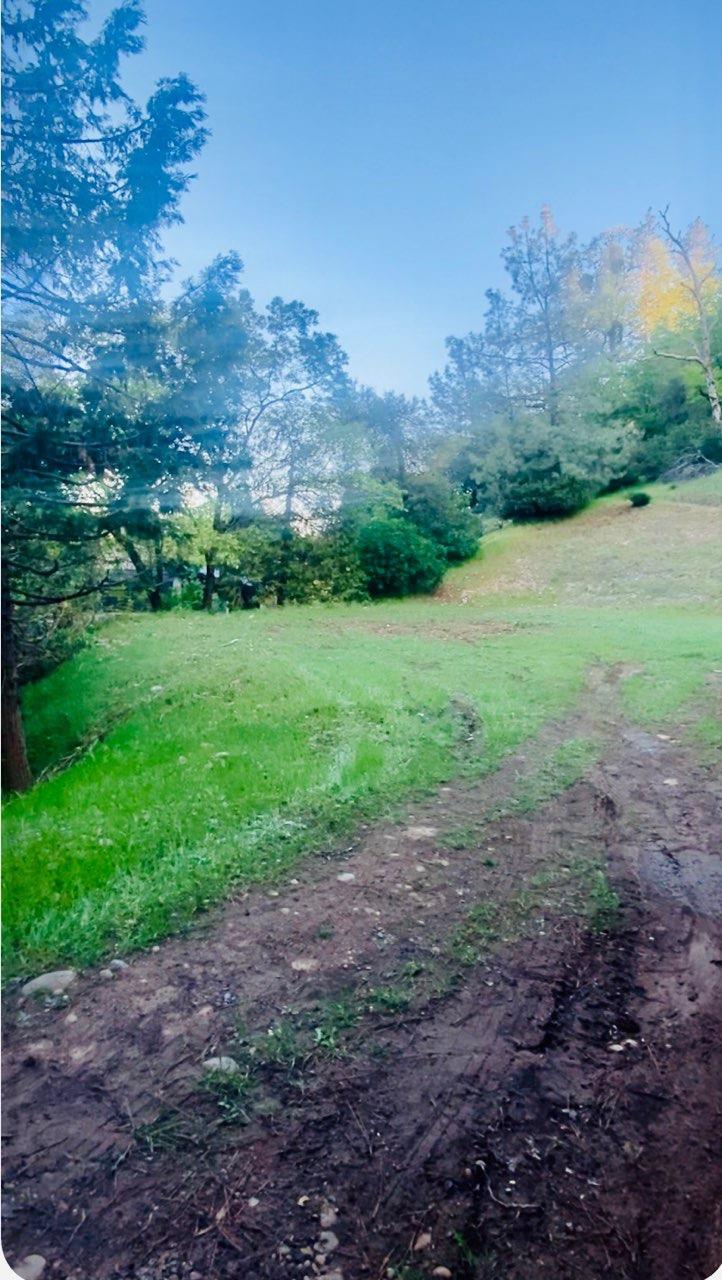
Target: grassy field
(182, 753)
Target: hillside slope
(185, 753)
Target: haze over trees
(201, 450)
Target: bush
(397, 560)
(189, 596)
(442, 515)
(296, 568)
(639, 499)
(324, 568)
(368, 548)
(540, 495)
(529, 469)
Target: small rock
(422, 1242)
(304, 964)
(346, 877)
(421, 833)
(107, 973)
(54, 983)
(328, 1215)
(226, 1064)
(253, 1202)
(118, 966)
(82, 1052)
(31, 1268)
(327, 1242)
(443, 1273)
(615, 1048)
(671, 782)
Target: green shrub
(293, 567)
(540, 495)
(189, 596)
(325, 568)
(639, 499)
(391, 542)
(397, 560)
(441, 514)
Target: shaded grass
(222, 748)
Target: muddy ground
(487, 1058)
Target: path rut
(549, 1107)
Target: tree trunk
(703, 359)
(290, 493)
(155, 595)
(703, 348)
(16, 774)
(552, 371)
(713, 394)
(151, 585)
(209, 585)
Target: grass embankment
(204, 751)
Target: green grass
(707, 490)
(167, 1132)
(212, 751)
(577, 888)
(706, 734)
(231, 1092)
(603, 907)
(563, 766)
(300, 1039)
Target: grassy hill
(182, 754)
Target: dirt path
(464, 1073)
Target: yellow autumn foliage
(665, 293)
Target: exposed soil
(550, 1109)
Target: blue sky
(368, 156)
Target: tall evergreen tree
(91, 179)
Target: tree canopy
(181, 445)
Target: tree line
(201, 451)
